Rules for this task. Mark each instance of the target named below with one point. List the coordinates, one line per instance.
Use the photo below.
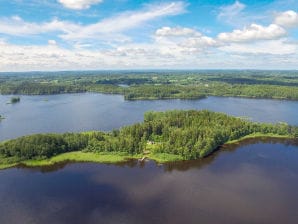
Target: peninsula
(162, 136)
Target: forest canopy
(189, 134)
(158, 85)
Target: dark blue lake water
(254, 182)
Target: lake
(91, 111)
(254, 182)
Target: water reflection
(253, 182)
(84, 112)
(180, 165)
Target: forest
(157, 84)
(188, 134)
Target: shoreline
(114, 157)
(152, 98)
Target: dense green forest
(157, 85)
(188, 134)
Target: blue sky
(143, 34)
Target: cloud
(109, 43)
(78, 4)
(16, 26)
(176, 31)
(127, 20)
(180, 41)
(264, 54)
(271, 47)
(109, 29)
(254, 32)
(52, 42)
(287, 19)
(229, 12)
(46, 57)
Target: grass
(258, 135)
(151, 148)
(8, 162)
(106, 157)
(80, 157)
(164, 157)
(6, 166)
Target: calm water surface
(255, 182)
(90, 111)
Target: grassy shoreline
(106, 158)
(114, 157)
(259, 135)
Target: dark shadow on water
(200, 163)
(171, 166)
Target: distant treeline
(134, 86)
(189, 134)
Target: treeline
(43, 145)
(190, 134)
(35, 88)
(160, 91)
(160, 85)
(254, 91)
(156, 91)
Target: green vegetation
(163, 136)
(15, 99)
(112, 157)
(158, 85)
(1, 117)
(260, 135)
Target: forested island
(157, 84)
(15, 100)
(162, 136)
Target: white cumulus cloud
(287, 19)
(254, 32)
(79, 4)
(52, 42)
(176, 31)
(179, 41)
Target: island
(162, 136)
(15, 99)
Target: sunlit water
(83, 112)
(253, 182)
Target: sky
(50, 35)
